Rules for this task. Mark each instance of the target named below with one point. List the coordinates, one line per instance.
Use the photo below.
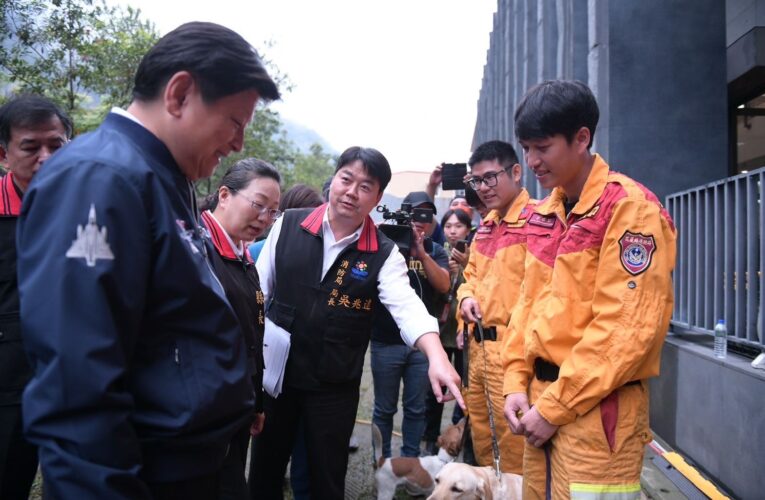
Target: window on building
(750, 135)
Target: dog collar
(444, 457)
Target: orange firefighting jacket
(597, 296)
(495, 267)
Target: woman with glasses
(242, 208)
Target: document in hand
(276, 348)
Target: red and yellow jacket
(597, 295)
(495, 267)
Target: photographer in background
(394, 361)
(457, 229)
(444, 176)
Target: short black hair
(29, 110)
(472, 197)
(374, 162)
(462, 216)
(556, 107)
(501, 151)
(221, 61)
(239, 176)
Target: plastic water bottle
(721, 339)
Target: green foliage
(120, 40)
(80, 54)
(266, 139)
(313, 168)
(83, 55)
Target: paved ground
(360, 479)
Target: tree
(84, 56)
(313, 168)
(120, 40)
(264, 139)
(81, 55)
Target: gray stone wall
(741, 16)
(711, 411)
(657, 68)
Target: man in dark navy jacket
(139, 368)
(32, 128)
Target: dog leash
(494, 444)
(548, 472)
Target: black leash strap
(494, 444)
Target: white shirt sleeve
(397, 295)
(266, 264)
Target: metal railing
(720, 256)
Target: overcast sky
(399, 76)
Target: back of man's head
(502, 152)
(220, 60)
(375, 164)
(556, 107)
(29, 111)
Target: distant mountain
(304, 136)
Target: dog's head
(457, 481)
(451, 438)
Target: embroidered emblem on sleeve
(90, 243)
(636, 251)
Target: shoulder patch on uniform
(90, 243)
(636, 251)
(547, 221)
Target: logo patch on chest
(636, 251)
(547, 221)
(359, 270)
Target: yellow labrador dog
(416, 473)
(458, 481)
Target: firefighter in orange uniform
(492, 282)
(595, 307)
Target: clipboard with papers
(276, 350)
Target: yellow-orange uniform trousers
(596, 302)
(493, 278)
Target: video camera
(401, 231)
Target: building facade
(680, 86)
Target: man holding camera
(394, 361)
(492, 285)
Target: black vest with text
(330, 319)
